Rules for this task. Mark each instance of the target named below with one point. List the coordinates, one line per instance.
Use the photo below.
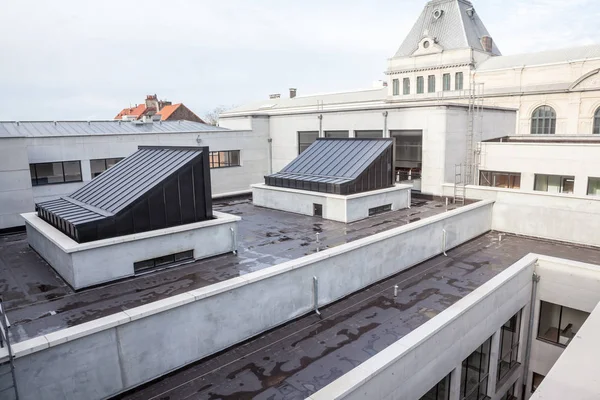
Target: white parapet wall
(561, 217)
(88, 264)
(335, 207)
(107, 356)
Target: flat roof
(546, 139)
(38, 301)
(305, 355)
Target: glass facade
(558, 324)
(554, 183)
(475, 373)
(508, 180)
(55, 172)
(224, 159)
(99, 166)
(509, 346)
(441, 391)
(543, 121)
(305, 139)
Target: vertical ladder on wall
(8, 383)
(460, 188)
(474, 136)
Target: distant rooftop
(547, 139)
(91, 128)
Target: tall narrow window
(509, 346)
(396, 87)
(446, 82)
(406, 86)
(597, 122)
(458, 81)
(420, 84)
(543, 121)
(431, 84)
(475, 373)
(593, 187)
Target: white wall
(126, 349)
(15, 182)
(580, 160)
(561, 217)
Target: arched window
(597, 122)
(543, 121)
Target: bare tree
(212, 117)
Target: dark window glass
(368, 134)
(380, 210)
(396, 87)
(509, 345)
(554, 183)
(305, 139)
(406, 86)
(224, 159)
(596, 130)
(593, 187)
(441, 391)
(446, 82)
(420, 84)
(475, 373)
(337, 134)
(511, 394)
(100, 165)
(56, 172)
(559, 324)
(543, 121)
(458, 81)
(537, 380)
(507, 180)
(431, 83)
(164, 261)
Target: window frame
(560, 316)
(596, 122)
(459, 81)
(562, 179)
(395, 87)
(431, 84)
(446, 82)
(548, 123)
(306, 144)
(406, 86)
(35, 181)
(447, 382)
(464, 394)
(590, 178)
(511, 178)
(105, 161)
(513, 351)
(420, 84)
(227, 160)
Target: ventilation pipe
(535, 279)
(385, 124)
(270, 141)
(320, 116)
(316, 295)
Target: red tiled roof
(166, 111)
(133, 111)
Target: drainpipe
(270, 141)
(535, 279)
(385, 129)
(320, 116)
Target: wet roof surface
(38, 301)
(298, 359)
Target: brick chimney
(293, 92)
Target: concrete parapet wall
(410, 367)
(93, 263)
(561, 217)
(101, 358)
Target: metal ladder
(460, 188)
(8, 382)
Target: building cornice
(430, 68)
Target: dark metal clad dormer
(154, 188)
(339, 166)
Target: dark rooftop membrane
(296, 360)
(38, 301)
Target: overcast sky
(82, 59)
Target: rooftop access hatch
(339, 166)
(154, 188)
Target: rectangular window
(509, 346)
(431, 84)
(554, 183)
(446, 82)
(536, 382)
(458, 81)
(224, 159)
(508, 180)
(558, 324)
(441, 391)
(305, 139)
(420, 84)
(593, 187)
(368, 134)
(396, 86)
(55, 172)
(380, 210)
(475, 373)
(163, 261)
(511, 394)
(337, 134)
(406, 86)
(317, 210)
(99, 166)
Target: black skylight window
(339, 166)
(154, 188)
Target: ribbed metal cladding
(339, 166)
(156, 187)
